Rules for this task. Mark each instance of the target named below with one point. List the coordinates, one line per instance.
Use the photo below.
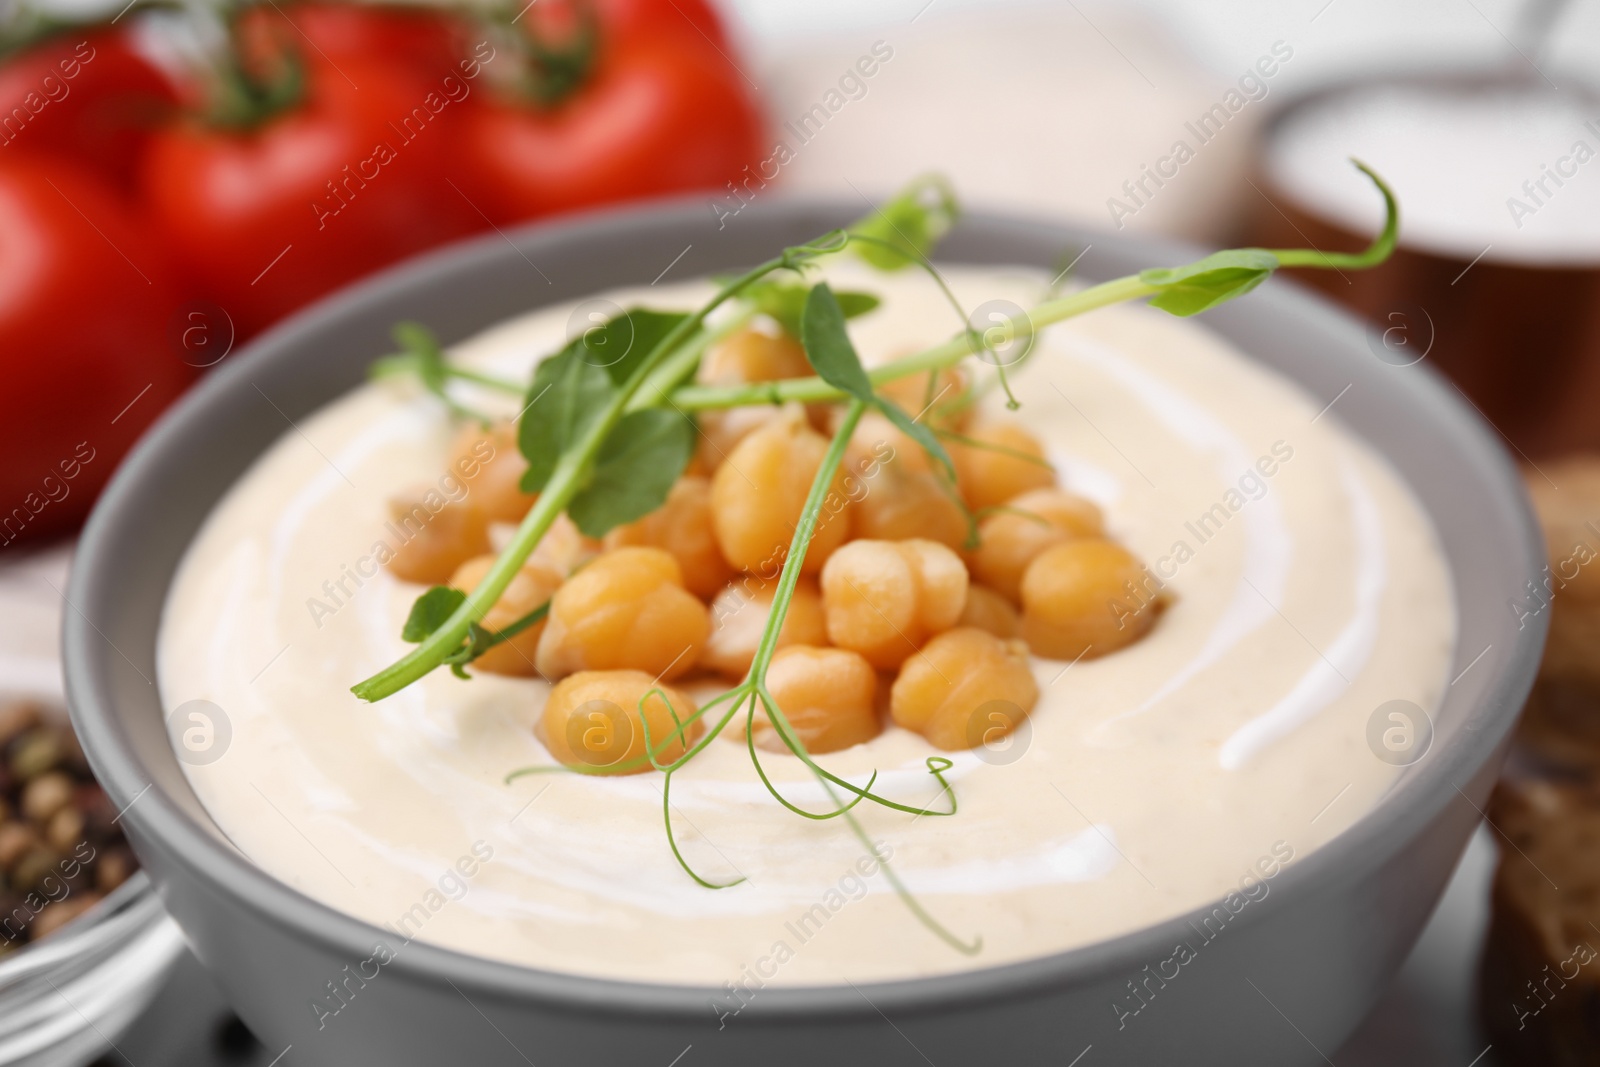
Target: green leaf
(904, 230)
(1205, 283)
(429, 612)
(828, 346)
(566, 395)
(634, 470)
(1220, 277)
(854, 303)
(785, 303)
(421, 355)
(620, 343)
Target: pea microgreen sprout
(601, 449)
(1181, 291)
(594, 451)
(421, 357)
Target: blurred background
(175, 178)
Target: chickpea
(987, 610)
(534, 583)
(439, 536)
(884, 598)
(943, 407)
(626, 610)
(491, 466)
(564, 547)
(1008, 541)
(721, 432)
(1086, 598)
(876, 438)
(758, 494)
(752, 355)
(965, 688)
(682, 526)
(899, 504)
(739, 615)
(828, 695)
(592, 721)
(989, 476)
(748, 355)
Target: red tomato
(350, 178)
(85, 95)
(628, 19)
(426, 41)
(86, 305)
(655, 115)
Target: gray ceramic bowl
(1292, 975)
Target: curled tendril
(678, 733)
(922, 261)
(937, 765)
(974, 337)
(794, 745)
(797, 258)
(672, 841)
(780, 722)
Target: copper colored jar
(1510, 314)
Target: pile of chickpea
(888, 588)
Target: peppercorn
(52, 816)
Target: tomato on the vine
(645, 115)
(86, 305)
(623, 20)
(428, 42)
(84, 95)
(346, 175)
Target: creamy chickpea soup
(1139, 636)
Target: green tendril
(990, 446)
(795, 746)
(1381, 248)
(672, 841)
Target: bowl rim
(206, 855)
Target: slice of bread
(1539, 988)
